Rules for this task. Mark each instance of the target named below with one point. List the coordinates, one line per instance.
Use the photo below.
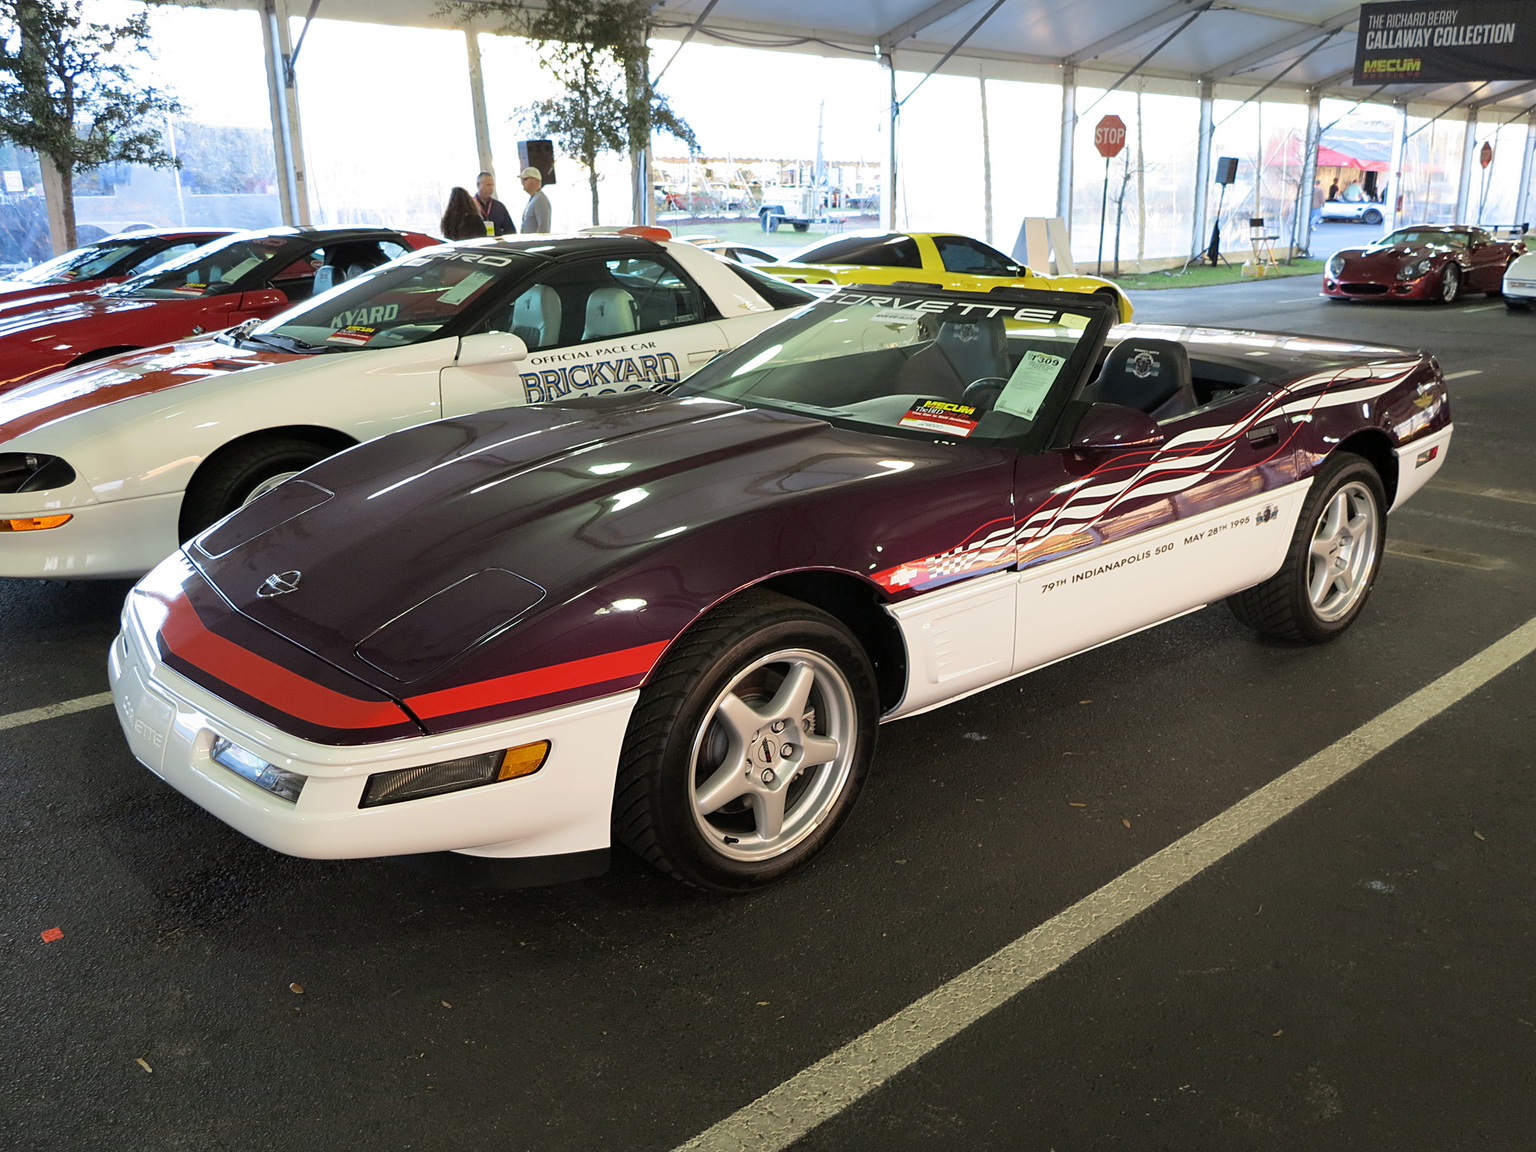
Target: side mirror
(262, 298)
(1115, 428)
(485, 348)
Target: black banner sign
(1441, 42)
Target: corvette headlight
(1336, 267)
(248, 766)
(453, 775)
(32, 472)
(1406, 272)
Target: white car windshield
(950, 367)
(404, 302)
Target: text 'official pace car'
(676, 620)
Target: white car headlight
(1336, 266)
(248, 766)
(453, 775)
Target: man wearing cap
(536, 215)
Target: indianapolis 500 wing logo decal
(1065, 523)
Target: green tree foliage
(597, 51)
(70, 92)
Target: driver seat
(1152, 376)
(976, 350)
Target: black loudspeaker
(540, 154)
(1226, 169)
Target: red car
(1422, 262)
(247, 276)
(107, 261)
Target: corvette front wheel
(747, 750)
(1332, 561)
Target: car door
(592, 327)
(1488, 260)
(1114, 536)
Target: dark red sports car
(246, 276)
(1423, 262)
(676, 618)
(107, 261)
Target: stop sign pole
(1109, 139)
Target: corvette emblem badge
(279, 584)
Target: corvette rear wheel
(1450, 284)
(1332, 561)
(748, 747)
(245, 472)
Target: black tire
(1516, 304)
(801, 227)
(1284, 606)
(1371, 216)
(227, 480)
(1450, 285)
(676, 742)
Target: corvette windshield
(82, 264)
(207, 271)
(953, 368)
(1438, 237)
(402, 303)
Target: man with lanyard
(498, 221)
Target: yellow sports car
(938, 258)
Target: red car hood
(1385, 260)
(37, 341)
(104, 382)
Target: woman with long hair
(461, 219)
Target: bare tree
(70, 91)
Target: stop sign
(1485, 158)
(1109, 136)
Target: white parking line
(777, 1119)
(1465, 372)
(1297, 299)
(1482, 308)
(49, 711)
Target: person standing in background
(1319, 198)
(536, 214)
(461, 219)
(494, 217)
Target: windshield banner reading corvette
(1433, 42)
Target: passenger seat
(610, 312)
(1152, 376)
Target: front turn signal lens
(454, 775)
(34, 523)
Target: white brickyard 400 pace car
(106, 468)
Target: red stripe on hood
(98, 384)
(185, 635)
(625, 663)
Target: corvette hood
(410, 550)
(1392, 255)
(103, 382)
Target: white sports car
(107, 467)
(1519, 287)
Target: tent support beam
(1203, 162)
(1068, 133)
(1523, 193)
(1314, 141)
(1468, 161)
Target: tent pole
(1207, 90)
(1068, 133)
(1468, 159)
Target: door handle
(1264, 434)
(704, 356)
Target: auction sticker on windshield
(352, 334)
(1030, 383)
(941, 416)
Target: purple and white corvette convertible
(676, 619)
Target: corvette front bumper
(563, 809)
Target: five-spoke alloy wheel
(748, 747)
(1332, 560)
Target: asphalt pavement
(1354, 975)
